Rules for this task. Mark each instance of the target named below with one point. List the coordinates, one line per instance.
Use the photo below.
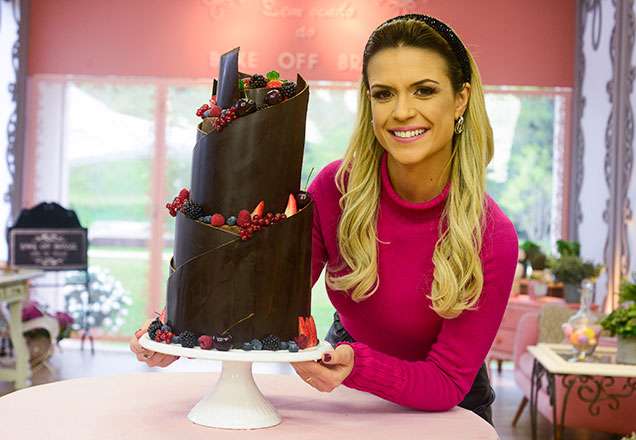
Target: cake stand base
(236, 402)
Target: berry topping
(271, 343)
(273, 97)
(245, 106)
(217, 220)
(256, 344)
(191, 210)
(291, 206)
(244, 218)
(231, 220)
(257, 81)
(259, 209)
(303, 199)
(215, 111)
(206, 342)
(288, 89)
(246, 346)
(222, 342)
(293, 347)
(188, 340)
(274, 84)
(153, 328)
(184, 194)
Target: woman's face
(413, 104)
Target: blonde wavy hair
(458, 277)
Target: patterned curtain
(12, 99)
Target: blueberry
(231, 220)
(284, 345)
(176, 340)
(166, 328)
(247, 346)
(256, 344)
(293, 347)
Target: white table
(14, 289)
(155, 406)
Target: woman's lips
(408, 134)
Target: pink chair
(607, 418)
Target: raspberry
(205, 342)
(217, 220)
(243, 218)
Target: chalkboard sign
(48, 237)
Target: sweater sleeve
(441, 380)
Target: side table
(14, 289)
(592, 382)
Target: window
(116, 149)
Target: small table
(14, 289)
(155, 406)
(551, 360)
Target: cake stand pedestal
(235, 402)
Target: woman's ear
(461, 100)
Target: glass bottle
(582, 330)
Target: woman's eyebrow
(417, 83)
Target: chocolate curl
(227, 90)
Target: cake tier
(217, 279)
(257, 157)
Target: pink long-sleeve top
(404, 351)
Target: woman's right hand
(152, 358)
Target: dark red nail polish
(327, 357)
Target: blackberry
(257, 81)
(153, 328)
(271, 343)
(288, 89)
(188, 340)
(191, 210)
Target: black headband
(446, 32)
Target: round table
(155, 405)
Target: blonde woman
(420, 261)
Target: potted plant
(536, 260)
(570, 269)
(622, 322)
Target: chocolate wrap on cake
(216, 278)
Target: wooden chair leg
(520, 408)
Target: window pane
(109, 149)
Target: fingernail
(327, 357)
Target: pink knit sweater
(405, 352)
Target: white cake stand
(235, 402)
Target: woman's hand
(328, 373)
(152, 358)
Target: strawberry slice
(310, 324)
(291, 206)
(260, 208)
(302, 327)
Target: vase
(626, 352)
(571, 293)
(582, 329)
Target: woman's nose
(403, 109)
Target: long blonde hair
(458, 277)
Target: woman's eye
(382, 95)
(424, 91)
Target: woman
(420, 261)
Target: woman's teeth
(409, 133)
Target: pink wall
(515, 42)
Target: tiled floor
(112, 359)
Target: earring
(459, 125)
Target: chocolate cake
(248, 279)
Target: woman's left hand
(328, 373)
